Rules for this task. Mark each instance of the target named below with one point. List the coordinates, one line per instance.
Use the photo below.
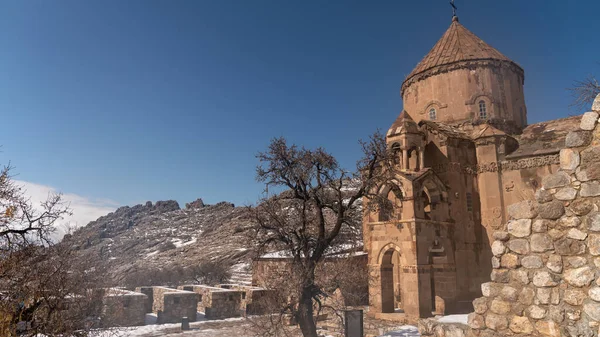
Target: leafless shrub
(210, 273)
(584, 92)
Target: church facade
(464, 151)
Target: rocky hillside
(164, 237)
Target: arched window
(432, 114)
(396, 153)
(482, 110)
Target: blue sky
(152, 100)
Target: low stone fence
(170, 305)
(123, 308)
(216, 303)
(255, 300)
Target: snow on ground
(403, 331)
(454, 319)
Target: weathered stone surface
(578, 138)
(498, 248)
(576, 234)
(501, 236)
(566, 193)
(509, 260)
(555, 234)
(594, 293)
(496, 322)
(480, 305)
(593, 243)
(590, 189)
(541, 243)
(509, 293)
(551, 210)
(490, 289)
(500, 275)
(543, 195)
(539, 226)
(556, 313)
(500, 307)
(558, 179)
(569, 159)
(536, 312)
(532, 262)
(543, 279)
(520, 324)
(574, 296)
(526, 296)
(555, 263)
(581, 206)
(548, 328)
(569, 221)
(519, 228)
(590, 156)
(495, 262)
(543, 295)
(520, 246)
(579, 277)
(588, 120)
(519, 276)
(592, 221)
(476, 321)
(568, 246)
(526, 209)
(592, 309)
(576, 261)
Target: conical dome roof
(403, 124)
(457, 45)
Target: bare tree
(210, 273)
(44, 287)
(319, 209)
(584, 92)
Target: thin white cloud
(84, 209)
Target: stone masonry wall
(546, 264)
(170, 305)
(124, 308)
(216, 303)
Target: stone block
(576, 261)
(576, 234)
(542, 195)
(551, 210)
(590, 156)
(579, 277)
(521, 325)
(548, 328)
(544, 279)
(520, 246)
(594, 293)
(592, 221)
(526, 209)
(496, 322)
(526, 296)
(498, 248)
(593, 243)
(574, 296)
(536, 312)
(569, 221)
(509, 261)
(539, 226)
(480, 305)
(540, 243)
(592, 309)
(509, 293)
(581, 206)
(568, 246)
(532, 262)
(519, 228)
(500, 275)
(501, 236)
(554, 263)
(578, 138)
(588, 120)
(476, 321)
(558, 179)
(566, 194)
(569, 159)
(596, 104)
(590, 189)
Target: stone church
(465, 152)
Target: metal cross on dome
(454, 8)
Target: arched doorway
(391, 274)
